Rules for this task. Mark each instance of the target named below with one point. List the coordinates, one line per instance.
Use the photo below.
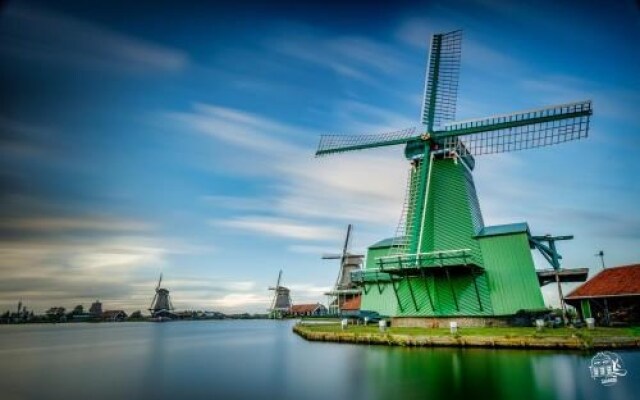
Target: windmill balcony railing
(431, 259)
(417, 265)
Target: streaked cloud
(281, 227)
(237, 128)
(352, 57)
(309, 249)
(236, 202)
(39, 34)
(74, 223)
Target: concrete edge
(524, 342)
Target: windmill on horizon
(344, 289)
(161, 306)
(281, 302)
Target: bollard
(344, 323)
(539, 324)
(366, 320)
(382, 325)
(591, 323)
(453, 326)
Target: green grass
(495, 332)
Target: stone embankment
(576, 341)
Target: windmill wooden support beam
(475, 286)
(547, 246)
(426, 286)
(413, 296)
(393, 286)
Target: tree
(55, 314)
(136, 315)
(79, 309)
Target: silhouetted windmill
(344, 289)
(161, 305)
(281, 303)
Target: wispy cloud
(20, 139)
(278, 227)
(72, 271)
(305, 189)
(309, 249)
(238, 128)
(235, 202)
(352, 57)
(36, 33)
(75, 223)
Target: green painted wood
(586, 308)
(419, 188)
(512, 279)
(453, 221)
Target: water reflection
(263, 359)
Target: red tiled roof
(304, 308)
(352, 304)
(624, 280)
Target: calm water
(263, 359)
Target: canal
(264, 360)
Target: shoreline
(578, 340)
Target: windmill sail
(519, 131)
(330, 144)
(441, 82)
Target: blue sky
(148, 138)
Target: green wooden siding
(441, 293)
(507, 284)
(452, 219)
(511, 275)
(586, 308)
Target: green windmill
(443, 261)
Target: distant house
(302, 310)
(611, 297)
(351, 307)
(114, 315)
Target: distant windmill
(281, 303)
(601, 255)
(161, 304)
(344, 289)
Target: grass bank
(559, 338)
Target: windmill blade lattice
(441, 83)
(330, 144)
(518, 131)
